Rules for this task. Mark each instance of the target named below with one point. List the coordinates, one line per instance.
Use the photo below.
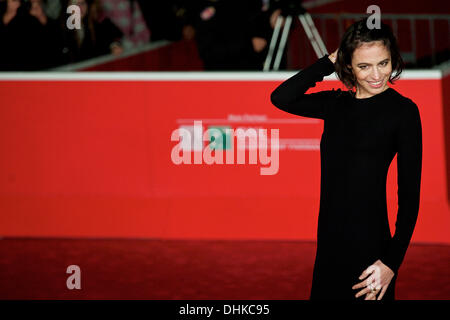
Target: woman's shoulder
(407, 109)
(408, 106)
(337, 93)
(332, 96)
(342, 94)
(402, 99)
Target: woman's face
(371, 65)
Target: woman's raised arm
(290, 96)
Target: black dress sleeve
(409, 169)
(290, 95)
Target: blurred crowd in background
(231, 34)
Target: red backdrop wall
(92, 158)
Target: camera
(289, 7)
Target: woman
(364, 128)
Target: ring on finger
(372, 288)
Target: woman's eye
(384, 63)
(363, 67)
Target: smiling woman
(371, 77)
(363, 131)
(368, 59)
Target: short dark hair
(355, 36)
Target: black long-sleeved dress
(359, 141)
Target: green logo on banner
(219, 138)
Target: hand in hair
(333, 56)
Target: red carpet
(169, 269)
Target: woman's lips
(375, 85)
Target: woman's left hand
(379, 277)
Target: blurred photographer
(48, 35)
(17, 36)
(234, 35)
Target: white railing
(408, 56)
